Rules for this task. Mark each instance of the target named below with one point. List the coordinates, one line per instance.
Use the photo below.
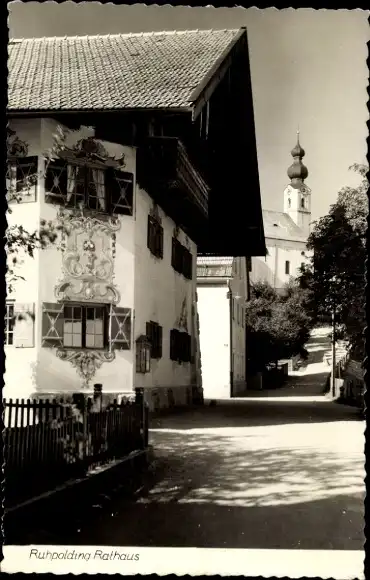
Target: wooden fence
(47, 442)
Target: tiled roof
(280, 225)
(214, 266)
(147, 70)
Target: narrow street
(283, 469)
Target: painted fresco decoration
(85, 362)
(15, 147)
(86, 148)
(88, 258)
(183, 318)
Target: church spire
(297, 171)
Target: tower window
(287, 267)
(302, 202)
(289, 202)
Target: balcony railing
(163, 164)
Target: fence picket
(43, 437)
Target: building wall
(239, 290)
(221, 308)
(271, 268)
(214, 326)
(159, 295)
(147, 286)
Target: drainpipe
(231, 339)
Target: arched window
(302, 202)
(289, 202)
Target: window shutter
(52, 324)
(120, 186)
(120, 328)
(173, 344)
(160, 338)
(24, 325)
(56, 181)
(149, 238)
(160, 240)
(22, 176)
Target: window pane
(77, 340)
(90, 327)
(90, 313)
(68, 327)
(77, 312)
(77, 328)
(99, 341)
(10, 338)
(68, 312)
(98, 327)
(68, 340)
(90, 342)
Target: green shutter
(52, 324)
(23, 334)
(120, 328)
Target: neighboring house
(137, 188)
(286, 232)
(222, 289)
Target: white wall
(214, 326)
(271, 269)
(159, 294)
(238, 286)
(150, 287)
(20, 362)
(38, 368)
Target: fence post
(139, 400)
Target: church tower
(297, 196)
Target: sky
(308, 70)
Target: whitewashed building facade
(222, 288)
(113, 302)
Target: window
(142, 355)
(21, 179)
(181, 260)
(86, 326)
(98, 188)
(302, 202)
(154, 334)
(289, 202)
(155, 237)
(287, 267)
(180, 346)
(302, 265)
(9, 324)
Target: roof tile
(146, 70)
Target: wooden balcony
(166, 172)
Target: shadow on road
(257, 412)
(220, 492)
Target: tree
(336, 275)
(278, 325)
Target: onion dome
(297, 171)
